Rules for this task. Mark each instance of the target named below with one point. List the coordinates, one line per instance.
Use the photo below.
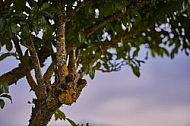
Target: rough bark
(42, 113)
(68, 83)
(57, 95)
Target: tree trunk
(43, 111)
(57, 96)
(41, 115)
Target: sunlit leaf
(45, 5)
(72, 123)
(59, 115)
(80, 37)
(4, 87)
(91, 71)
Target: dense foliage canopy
(80, 37)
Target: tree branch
(90, 30)
(37, 70)
(115, 40)
(113, 66)
(49, 72)
(62, 70)
(72, 62)
(25, 66)
(94, 27)
(15, 74)
(81, 4)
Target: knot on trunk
(72, 91)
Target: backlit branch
(37, 70)
(17, 73)
(113, 66)
(115, 40)
(94, 27)
(114, 17)
(28, 74)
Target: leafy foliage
(152, 25)
(92, 35)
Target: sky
(160, 97)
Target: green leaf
(59, 115)
(45, 5)
(1, 23)
(72, 123)
(81, 37)
(188, 11)
(47, 13)
(26, 30)
(153, 53)
(91, 71)
(135, 53)
(7, 96)
(5, 55)
(2, 103)
(4, 87)
(26, 57)
(42, 21)
(136, 70)
(9, 46)
(15, 29)
(98, 65)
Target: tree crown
(82, 36)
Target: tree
(80, 37)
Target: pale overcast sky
(160, 97)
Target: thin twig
(108, 44)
